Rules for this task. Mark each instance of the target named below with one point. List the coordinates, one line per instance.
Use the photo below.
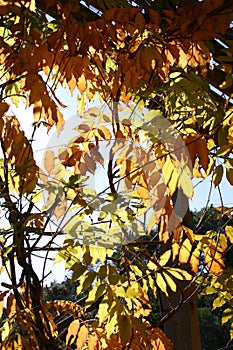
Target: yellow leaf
(179, 273)
(103, 311)
(72, 332)
(185, 181)
(161, 283)
(104, 132)
(5, 331)
(164, 258)
(172, 184)
(185, 251)
(189, 233)
(229, 233)
(153, 220)
(170, 282)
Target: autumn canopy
(154, 87)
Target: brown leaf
(3, 108)
(2, 295)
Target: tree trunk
(183, 327)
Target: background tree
(147, 64)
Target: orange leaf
(104, 133)
(2, 295)
(160, 340)
(82, 84)
(72, 332)
(92, 342)
(82, 337)
(11, 305)
(195, 260)
(49, 161)
(213, 259)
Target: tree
(160, 126)
(206, 220)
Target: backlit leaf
(185, 251)
(161, 283)
(72, 332)
(160, 340)
(218, 174)
(82, 337)
(229, 233)
(218, 302)
(163, 259)
(2, 295)
(92, 342)
(229, 175)
(11, 305)
(227, 315)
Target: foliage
(162, 126)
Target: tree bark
(183, 327)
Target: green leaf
(229, 233)
(86, 281)
(218, 174)
(125, 329)
(95, 293)
(78, 270)
(223, 150)
(110, 65)
(229, 175)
